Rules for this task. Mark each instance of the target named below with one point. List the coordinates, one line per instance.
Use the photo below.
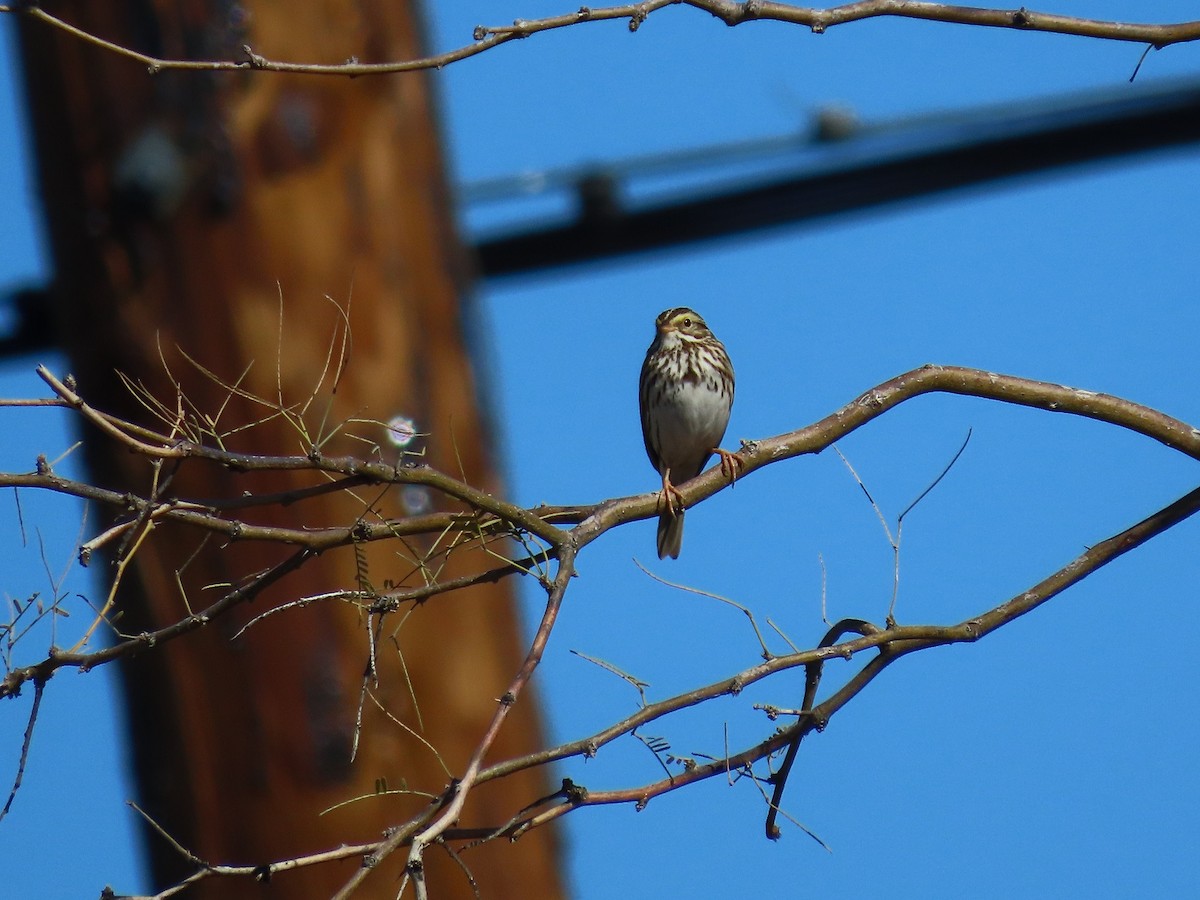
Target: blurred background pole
(217, 215)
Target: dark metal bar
(880, 165)
(931, 158)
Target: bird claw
(674, 500)
(672, 497)
(730, 463)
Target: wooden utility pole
(218, 215)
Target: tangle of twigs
(549, 540)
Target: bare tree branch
(928, 379)
(500, 517)
(892, 643)
(564, 531)
(818, 19)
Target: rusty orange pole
(189, 212)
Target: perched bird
(685, 395)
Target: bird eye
(687, 322)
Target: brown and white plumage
(686, 393)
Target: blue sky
(1055, 758)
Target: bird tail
(670, 535)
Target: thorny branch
(817, 19)
(560, 533)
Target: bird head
(682, 321)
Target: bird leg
(730, 463)
(671, 495)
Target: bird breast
(691, 421)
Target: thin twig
(638, 685)
(39, 687)
(766, 653)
